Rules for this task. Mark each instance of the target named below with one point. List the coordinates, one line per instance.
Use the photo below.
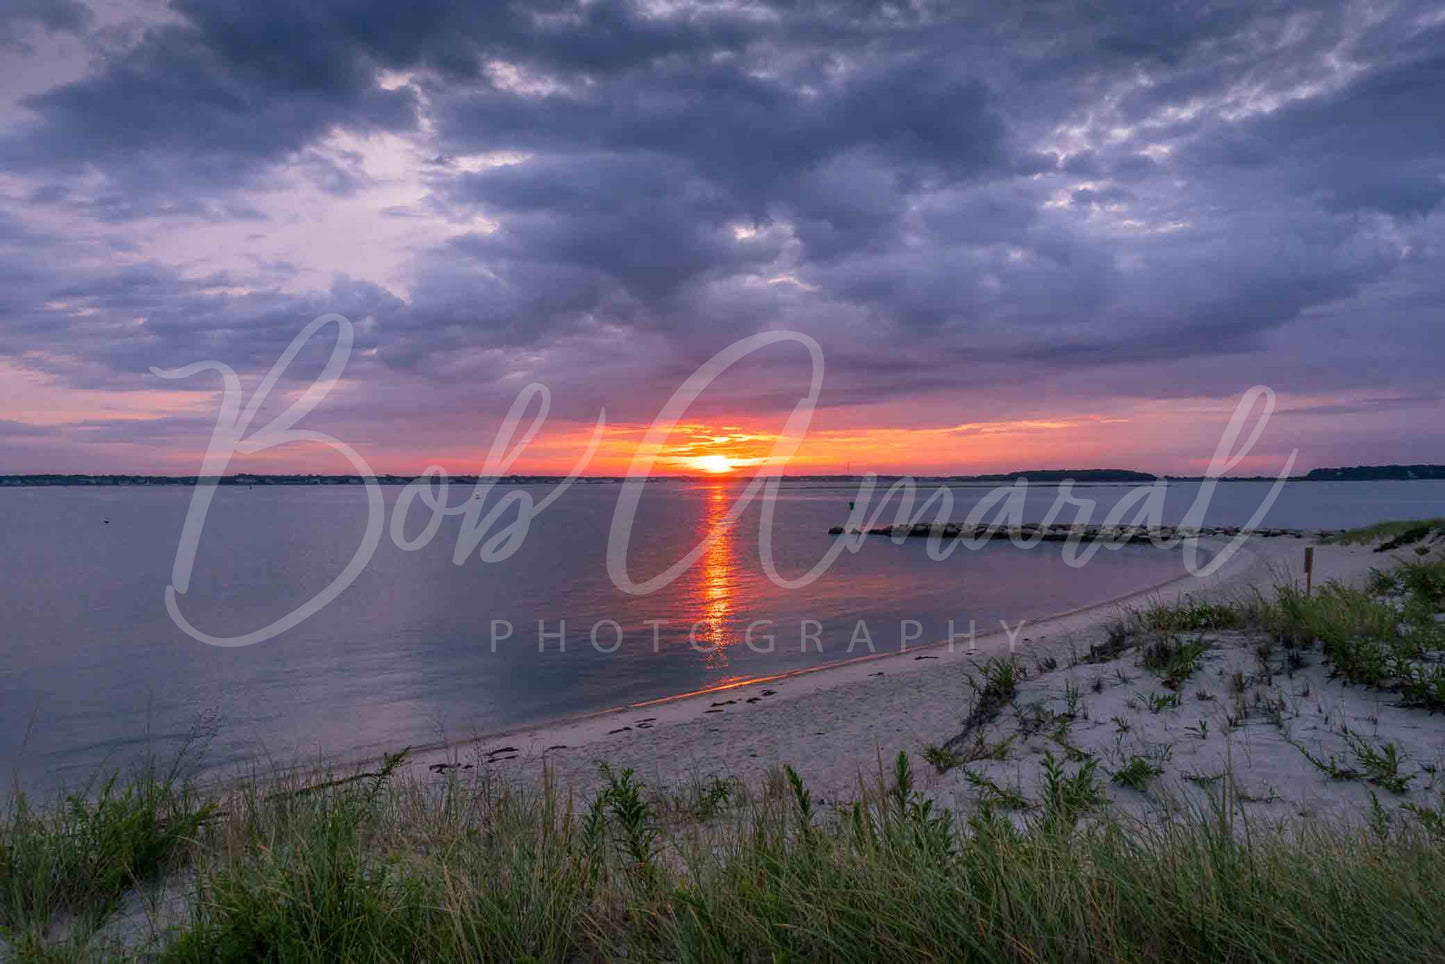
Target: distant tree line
(56, 479)
(1375, 473)
(1059, 475)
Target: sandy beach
(836, 723)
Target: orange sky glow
(731, 449)
(1175, 437)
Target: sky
(1042, 235)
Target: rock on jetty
(1060, 533)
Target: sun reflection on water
(712, 597)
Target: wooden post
(1309, 569)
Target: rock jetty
(1059, 533)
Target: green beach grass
(392, 864)
(1385, 531)
(396, 869)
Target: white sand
(834, 724)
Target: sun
(716, 464)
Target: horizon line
(1099, 474)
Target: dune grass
(400, 867)
(1386, 635)
(1383, 636)
(76, 856)
(1386, 531)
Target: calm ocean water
(94, 673)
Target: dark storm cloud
(641, 220)
(204, 106)
(1152, 196)
(102, 327)
(1375, 145)
(18, 17)
(212, 102)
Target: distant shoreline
(1363, 473)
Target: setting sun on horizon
(716, 464)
